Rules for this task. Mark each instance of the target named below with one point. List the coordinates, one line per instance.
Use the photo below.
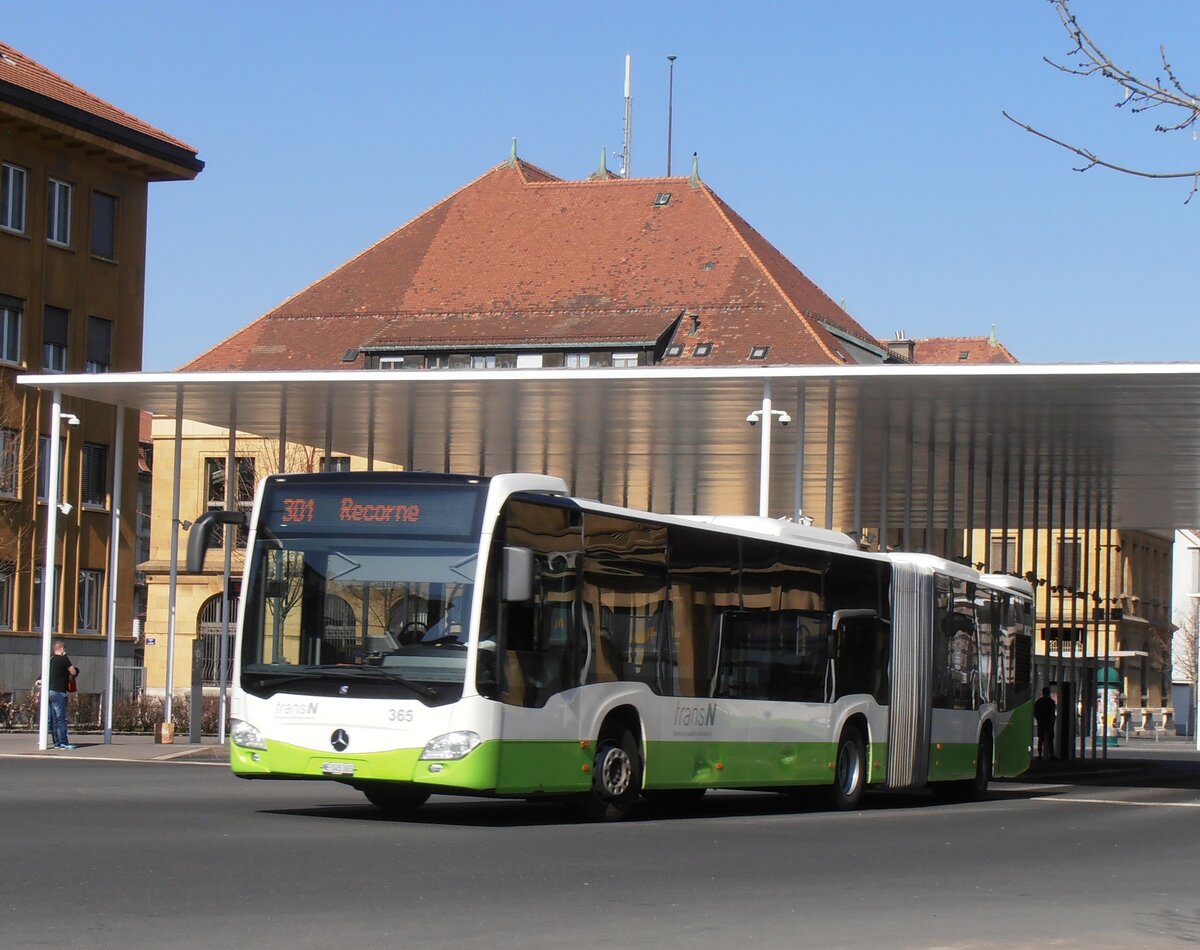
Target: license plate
(337, 768)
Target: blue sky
(864, 139)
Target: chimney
(902, 347)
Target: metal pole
(113, 560)
(884, 462)
(798, 483)
(1108, 609)
(764, 460)
(830, 456)
(52, 493)
(231, 487)
(283, 432)
(173, 574)
(670, 108)
(371, 430)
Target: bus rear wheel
(849, 770)
(616, 778)
(394, 799)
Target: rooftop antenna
(670, 107)
(628, 138)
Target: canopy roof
(900, 444)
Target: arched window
(209, 631)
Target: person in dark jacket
(1045, 712)
(61, 672)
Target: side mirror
(517, 575)
(202, 531)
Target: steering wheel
(449, 641)
(412, 632)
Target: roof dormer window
(702, 349)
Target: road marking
(1117, 801)
(67, 757)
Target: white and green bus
(409, 634)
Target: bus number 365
(400, 715)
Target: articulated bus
(409, 634)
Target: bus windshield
(387, 611)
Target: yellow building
(74, 176)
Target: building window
(104, 225)
(95, 474)
(58, 213)
(1003, 554)
(43, 471)
(578, 360)
(36, 618)
(335, 463)
(11, 311)
(8, 577)
(702, 349)
(675, 349)
(91, 599)
(625, 360)
(54, 340)
(486, 361)
(391, 362)
(437, 362)
(13, 190)
(10, 460)
(243, 495)
(529, 361)
(99, 345)
(759, 352)
(1068, 564)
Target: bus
(408, 634)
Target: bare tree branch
(1094, 160)
(1140, 95)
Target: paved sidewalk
(123, 748)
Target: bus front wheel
(850, 770)
(616, 778)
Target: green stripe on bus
(528, 767)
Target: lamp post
(766, 415)
(53, 481)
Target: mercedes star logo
(344, 690)
(340, 740)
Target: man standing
(1045, 712)
(61, 672)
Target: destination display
(297, 506)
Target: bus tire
(394, 799)
(849, 770)
(616, 778)
(976, 788)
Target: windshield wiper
(378, 672)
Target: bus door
(955, 683)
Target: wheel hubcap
(616, 771)
(848, 769)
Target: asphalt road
(104, 854)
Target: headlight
(453, 745)
(246, 735)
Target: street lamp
(53, 479)
(764, 464)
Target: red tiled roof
(961, 349)
(19, 71)
(518, 254)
